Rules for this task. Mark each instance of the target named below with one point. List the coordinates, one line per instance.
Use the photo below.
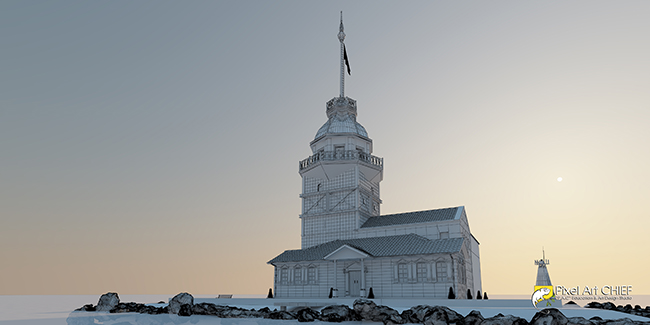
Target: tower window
(318, 187)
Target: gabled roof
(410, 244)
(412, 217)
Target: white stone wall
(349, 142)
(322, 229)
(329, 208)
(381, 274)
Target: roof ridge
(410, 212)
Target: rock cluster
(362, 310)
(636, 310)
(110, 302)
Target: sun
(559, 179)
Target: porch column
(363, 280)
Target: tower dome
(342, 118)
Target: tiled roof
(411, 217)
(410, 244)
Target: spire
(341, 36)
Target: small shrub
(371, 295)
(451, 294)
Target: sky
(152, 147)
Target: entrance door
(355, 283)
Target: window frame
(441, 271)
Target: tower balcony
(333, 162)
(341, 155)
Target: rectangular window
(284, 276)
(402, 272)
(422, 272)
(444, 235)
(311, 275)
(441, 272)
(297, 276)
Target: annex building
(348, 247)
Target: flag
(345, 57)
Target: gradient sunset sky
(152, 147)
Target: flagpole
(341, 36)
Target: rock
(594, 304)
(624, 321)
(364, 308)
(185, 310)
(180, 299)
(264, 311)
(417, 314)
(307, 315)
(394, 320)
(431, 315)
(407, 315)
(504, 320)
(368, 310)
(282, 314)
(338, 313)
(579, 321)
(441, 315)
(107, 301)
(203, 309)
(127, 307)
(88, 307)
(549, 316)
(571, 303)
(473, 318)
(609, 306)
(152, 310)
(210, 309)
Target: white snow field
(58, 309)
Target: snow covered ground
(55, 310)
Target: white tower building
(348, 247)
(340, 181)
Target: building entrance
(355, 283)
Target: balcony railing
(341, 155)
